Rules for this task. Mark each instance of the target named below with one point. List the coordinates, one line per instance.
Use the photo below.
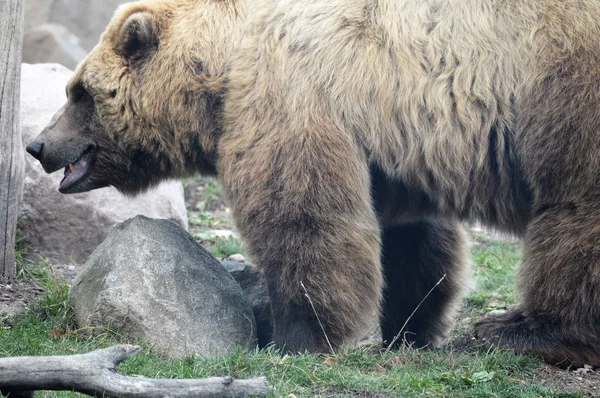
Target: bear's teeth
(71, 166)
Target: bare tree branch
(94, 374)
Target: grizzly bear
(352, 138)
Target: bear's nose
(35, 149)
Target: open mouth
(78, 171)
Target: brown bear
(352, 138)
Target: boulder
(37, 12)
(67, 228)
(52, 43)
(85, 18)
(251, 282)
(150, 280)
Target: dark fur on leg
(416, 256)
(298, 330)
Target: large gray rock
(87, 19)
(52, 43)
(67, 228)
(150, 280)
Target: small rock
(238, 258)
(150, 280)
(251, 282)
(583, 371)
(72, 268)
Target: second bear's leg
(415, 258)
(559, 318)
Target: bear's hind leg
(415, 258)
(540, 335)
(559, 281)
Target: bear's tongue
(74, 172)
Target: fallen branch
(94, 374)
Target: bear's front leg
(301, 201)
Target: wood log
(11, 150)
(94, 374)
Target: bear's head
(145, 104)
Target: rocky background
(64, 31)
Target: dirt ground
(15, 296)
(585, 381)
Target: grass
(53, 304)
(219, 246)
(209, 219)
(211, 195)
(494, 273)
(223, 248)
(454, 371)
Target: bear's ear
(138, 36)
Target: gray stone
(150, 280)
(85, 18)
(67, 228)
(239, 258)
(52, 43)
(37, 12)
(251, 282)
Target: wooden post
(11, 150)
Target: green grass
(454, 371)
(220, 247)
(405, 372)
(223, 248)
(212, 190)
(494, 264)
(209, 218)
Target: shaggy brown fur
(338, 125)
